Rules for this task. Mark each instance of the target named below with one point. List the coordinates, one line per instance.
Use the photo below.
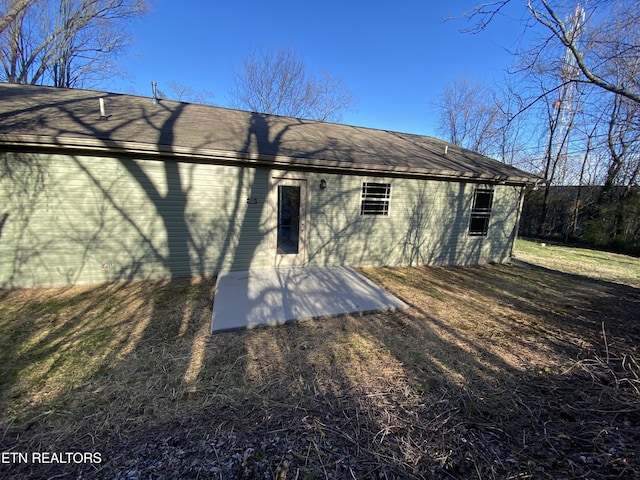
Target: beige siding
(72, 219)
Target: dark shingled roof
(33, 117)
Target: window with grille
(375, 198)
(481, 212)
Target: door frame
(300, 258)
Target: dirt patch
(497, 371)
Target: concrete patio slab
(275, 296)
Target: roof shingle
(46, 116)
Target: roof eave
(93, 145)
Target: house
(98, 187)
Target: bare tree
(279, 83)
(611, 39)
(579, 80)
(274, 83)
(469, 115)
(11, 10)
(623, 142)
(65, 43)
(184, 93)
(332, 99)
(514, 132)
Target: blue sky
(394, 56)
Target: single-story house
(98, 187)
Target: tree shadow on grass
(493, 371)
(536, 365)
(96, 357)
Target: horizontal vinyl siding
(63, 217)
(143, 219)
(427, 224)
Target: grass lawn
(581, 261)
(522, 370)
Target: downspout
(517, 224)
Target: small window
(375, 198)
(481, 212)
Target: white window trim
(384, 199)
(481, 212)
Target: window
(375, 198)
(481, 212)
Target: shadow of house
(167, 189)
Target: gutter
(516, 228)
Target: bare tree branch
(617, 20)
(14, 10)
(183, 93)
(469, 115)
(483, 14)
(66, 42)
(279, 83)
(560, 32)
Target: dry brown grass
(500, 371)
